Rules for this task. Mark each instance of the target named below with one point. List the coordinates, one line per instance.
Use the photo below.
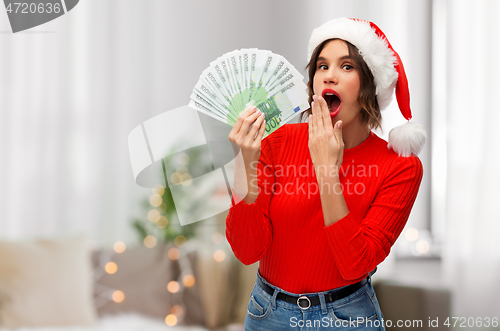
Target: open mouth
(333, 101)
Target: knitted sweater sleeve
(359, 245)
(249, 229)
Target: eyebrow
(345, 57)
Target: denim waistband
(320, 294)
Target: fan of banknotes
(250, 77)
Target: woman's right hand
(246, 143)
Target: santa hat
(388, 72)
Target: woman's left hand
(325, 142)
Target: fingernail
(315, 98)
(262, 114)
(340, 125)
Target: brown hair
(367, 99)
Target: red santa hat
(388, 72)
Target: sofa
(63, 282)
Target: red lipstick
(333, 100)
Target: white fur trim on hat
(407, 139)
(375, 51)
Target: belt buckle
(308, 301)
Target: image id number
(25, 8)
(461, 322)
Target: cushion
(46, 282)
(142, 275)
(224, 287)
(409, 302)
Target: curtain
(71, 91)
(471, 258)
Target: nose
(331, 77)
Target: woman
(327, 199)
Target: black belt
(305, 302)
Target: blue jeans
(358, 311)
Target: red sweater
(284, 229)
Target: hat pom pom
(407, 139)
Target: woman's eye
(347, 67)
(322, 67)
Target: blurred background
(71, 91)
